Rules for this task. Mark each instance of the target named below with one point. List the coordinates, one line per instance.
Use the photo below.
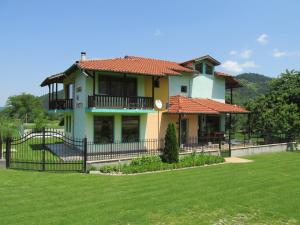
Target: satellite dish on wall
(158, 103)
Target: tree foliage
(171, 150)
(25, 107)
(278, 111)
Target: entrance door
(183, 131)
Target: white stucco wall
(208, 86)
(175, 83)
(80, 103)
(198, 85)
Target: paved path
(65, 152)
(237, 160)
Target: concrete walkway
(237, 160)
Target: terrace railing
(61, 104)
(120, 102)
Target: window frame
(202, 67)
(183, 87)
(122, 131)
(209, 66)
(125, 84)
(112, 129)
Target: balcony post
(153, 89)
(56, 93)
(49, 96)
(94, 83)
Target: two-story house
(113, 100)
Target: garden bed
(154, 163)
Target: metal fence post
(1, 145)
(8, 152)
(43, 150)
(84, 154)
(220, 145)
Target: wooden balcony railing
(120, 102)
(61, 104)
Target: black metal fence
(124, 149)
(46, 150)
(51, 150)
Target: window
(199, 67)
(184, 89)
(68, 124)
(103, 129)
(130, 128)
(104, 86)
(209, 69)
(156, 83)
(117, 86)
(212, 124)
(69, 91)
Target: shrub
(154, 163)
(92, 168)
(171, 150)
(109, 169)
(145, 160)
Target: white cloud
(263, 39)
(233, 52)
(245, 54)
(234, 66)
(277, 53)
(157, 33)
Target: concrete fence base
(282, 147)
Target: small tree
(171, 150)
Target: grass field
(266, 191)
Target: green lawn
(264, 192)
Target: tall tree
(25, 107)
(279, 110)
(171, 150)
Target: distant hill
(253, 86)
(45, 99)
(2, 108)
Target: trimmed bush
(171, 150)
(154, 163)
(145, 160)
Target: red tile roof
(136, 65)
(182, 104)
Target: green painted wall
(175, 83)
(80, 102)
(208, 86)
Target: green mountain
(2, 108)
(253, 86)
(45, 99)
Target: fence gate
(46, 150)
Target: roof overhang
(230, 81)
(206, 57)
(56, 78)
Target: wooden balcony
(61, 104)
(120, 102)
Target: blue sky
(40, 38)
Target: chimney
(83, 56)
